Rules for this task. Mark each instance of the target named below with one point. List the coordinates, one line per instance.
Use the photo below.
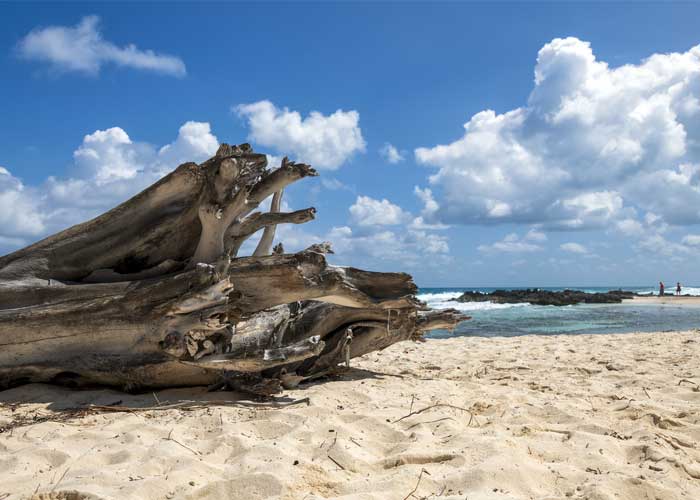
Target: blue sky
(585, 171)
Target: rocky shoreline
(539, 297)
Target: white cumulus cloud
(81, 48)
(592, 146)
(324, 141)
(109, 167)
(19, 216)
(367, 211)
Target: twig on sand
(629, 403)
(438, 405)
(430, 422)
(194, 405)
(335, 461)
(420, 476)
(695, 389)
(413, 398)
(170, 438)
(646, 392)
(60, 479)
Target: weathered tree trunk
(153, 294)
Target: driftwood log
(153, 293)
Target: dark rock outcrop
(545, 297)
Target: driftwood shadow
(61, 397)
(65, 399)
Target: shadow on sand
(33, 403)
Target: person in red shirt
(661, 288)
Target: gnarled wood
(148, 295)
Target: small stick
(430, 422)
(645, 392)
(629, 403)
(438, 405)
(335, 461)
(61, 478)
(170, 438)
(156, 398)
(189, 405)
(413, 398)
(420, 476)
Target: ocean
(509, 320)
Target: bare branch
(277, 180)
(265, 244)
(239, 232)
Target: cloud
(109, 167)
(19, 217)
(404, 247)
(194, 142)
(326, 142)
(430, 206)
(659, 245)
(592, 146)
(650, 237)
(391, 154)
(109, 155)
(427, 219)
(369, 241)
(367, 211)
(333, 184)
(535, 235)
(692, 240)
(82, 49)
(515, 244)
(630, 227)
(573, 248)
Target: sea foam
(445, 300)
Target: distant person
(678, 288)
(661, 288)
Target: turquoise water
(492, 320)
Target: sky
(469, 144)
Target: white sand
(671, 300)
(594, 417)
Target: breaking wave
(444, 300)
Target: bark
(154, 294)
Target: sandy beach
(671, 300)
(588, 416)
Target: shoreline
(574, 416)
(675, 300)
